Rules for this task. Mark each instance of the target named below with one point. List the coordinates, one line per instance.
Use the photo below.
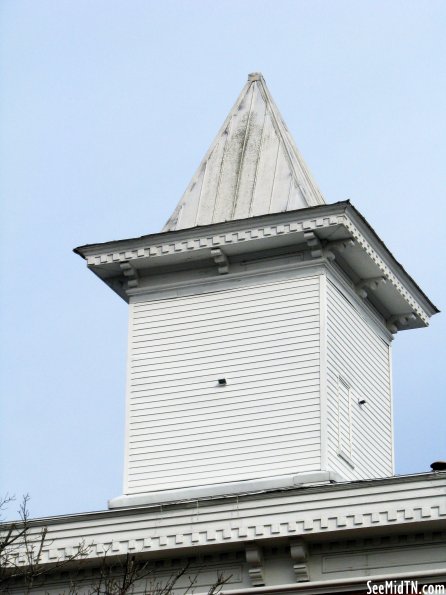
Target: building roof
(252, 168)
(340, 510)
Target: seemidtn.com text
(405, 587)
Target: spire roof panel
(252, 168)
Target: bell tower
(261, 323)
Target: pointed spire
(252, 168)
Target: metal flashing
(225, 489)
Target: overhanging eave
(336, 232)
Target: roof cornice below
(345, 585)
(393, 504)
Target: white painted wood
(285, 347)
(392, 419)
(184, 429)
(358, 368)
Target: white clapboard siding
(357, 357)
(183, 428)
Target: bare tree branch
(22, 545)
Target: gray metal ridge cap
(427, 476)
(362, 223)
(178, 234)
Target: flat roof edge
(334, 487)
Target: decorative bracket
(363, 287)
(314, 243)
(130, 273)
(221, 260)
(299, 555)
(254, 559)
(395, 322)
(319, 249)
(341, 245)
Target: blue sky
(106, 109)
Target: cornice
(355, 585)
(368, 232)
(333, 209)
(298, 513)
(387, 273)
(201, 240)
(325, 229)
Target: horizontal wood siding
(186, 430)
(358, 357)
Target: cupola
(261, 323)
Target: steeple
(252, 168)
(261, 324)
